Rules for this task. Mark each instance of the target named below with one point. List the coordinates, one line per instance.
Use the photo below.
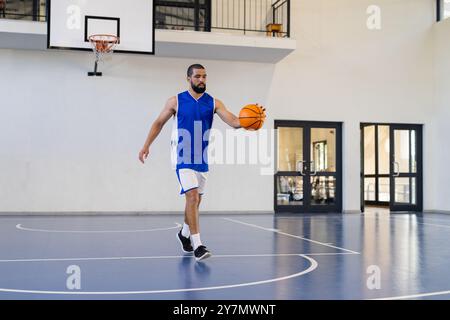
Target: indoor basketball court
(304, 141)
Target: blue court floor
(351, 256)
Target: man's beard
(198, 89)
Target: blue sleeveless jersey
(190, 135)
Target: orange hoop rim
(108, 41)
(113, 38)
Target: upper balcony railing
(248, 17)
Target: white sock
(185, 232)
(196, 240)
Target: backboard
(71, 22)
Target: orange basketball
(252, 117)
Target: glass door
(375, 165)
(309, 167)
(324, 152)
(406, 168)
(289, 178)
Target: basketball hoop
(102, 44)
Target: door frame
(419, 142)
(306, 207)
(419, 169)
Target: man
(192, 112)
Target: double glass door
(309, 167)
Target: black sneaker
(186, 245)
(201, 253)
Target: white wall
(442, 113)
(70, 143)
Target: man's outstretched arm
(168, 111)
(226, 115)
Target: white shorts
(190, 179)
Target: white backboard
(71, 22)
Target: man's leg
(198, 208)
(189, 180)
(186, 232)
(191, 211)
(190, 218)
(192, 215)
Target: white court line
(20, 227)
(304, 217)
(312, 267)
(431, 219)
(424, 223)
(407, 220)
(328, 253)
(372, 216)
(420, 295)
(173, 257)
(289, 235)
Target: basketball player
(192, 112)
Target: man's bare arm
(226, 115)
(168, 111)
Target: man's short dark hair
(191, 68)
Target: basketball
(252, 117)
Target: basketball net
(102, 45)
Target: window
(443, 9)
(446, 9)
(23, 9)
(183, 15)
